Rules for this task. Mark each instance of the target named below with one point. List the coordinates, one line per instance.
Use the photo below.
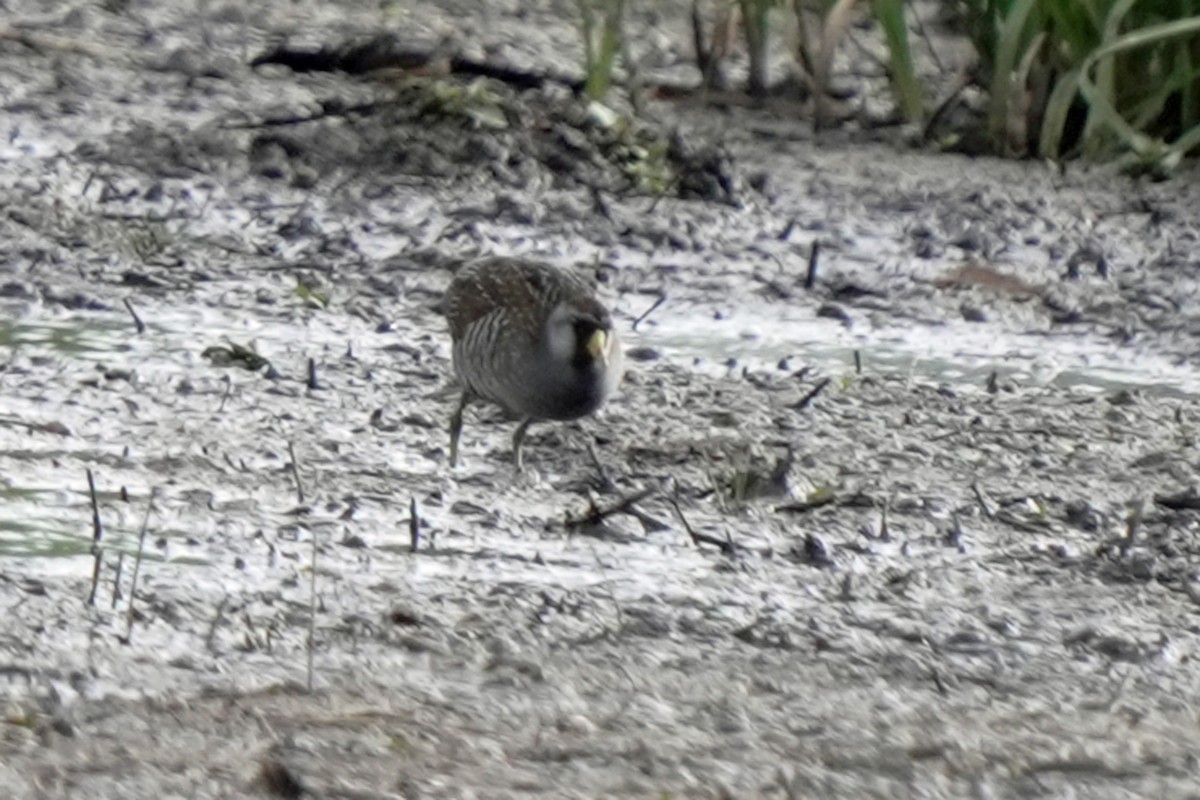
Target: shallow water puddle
(84, 390)
(81, 337)
(958, 354)
(33, 522)
(40, 518)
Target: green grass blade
(1008, 51)
(1058, 107)
(1104, 110)
(1095, 131)
(890, 14)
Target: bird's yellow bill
(597, 345)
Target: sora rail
(531, 338)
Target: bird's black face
(592, 335)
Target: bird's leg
(456, 423)
(518, 440)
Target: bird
(532, 339)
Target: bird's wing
(523, 291)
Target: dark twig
(698, 538)
(296, 472)
(885, 530)
(414, 525)
(983, 503)
(650, 524)
(97, 532)
(56, 428)
(595, 515)
(804, 402)
(1188, 499)
(857, 362)
(228, 391)
(787, 229)
(804, 506)
(933, 53)
(683, 520)
(137, 566)
(388, 52)
(672, 186)
(312, 604)
(137, 321)
(218, 618)
(599, 205)
(313, 385)
(941, 437)
(964, 79)
(1133, 524)
(954, 536)
(606, 484)
(814, 255)
(662, 298)
(116, 593)
(938, 682)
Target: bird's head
(580, 332)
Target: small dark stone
(834, 311)
(643, 354)
(354, 542)
(972, 313)
(279, 780)
(16, 290)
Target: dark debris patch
(276, 779)
(453, 126)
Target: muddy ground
(903, 581)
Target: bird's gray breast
(568, 392)
(521, 376)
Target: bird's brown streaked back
(519, 289)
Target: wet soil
(962, 567)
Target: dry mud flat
(887, 588)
